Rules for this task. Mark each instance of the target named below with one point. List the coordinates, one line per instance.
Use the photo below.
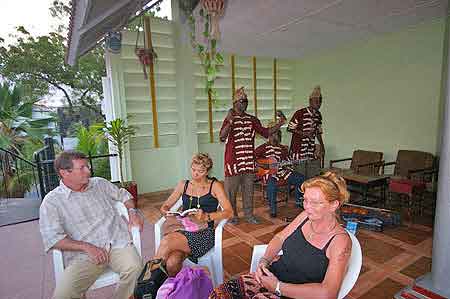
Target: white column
(438, 280)
(108, 111)
(114, 75)
(185, 92)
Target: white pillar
(185, 92)
(108, 111)
(115, 76)
(438, 280)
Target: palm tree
(118, 133)
(16, 123)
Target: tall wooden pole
(233, 77)
(255, 99)
(210, 118)
(274, 89)
(148, 45)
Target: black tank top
(301, 262)
(208, 203)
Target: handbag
(151, 278)
(188, 283)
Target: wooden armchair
(362, 162)
(414, 173)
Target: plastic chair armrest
(219, 230)
(136, 234)
(158, 232)
(58, 263)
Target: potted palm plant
(118, 133)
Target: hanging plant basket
(215, 9)
(145, 55)
(206, 47)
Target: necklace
(313, 232)
(190, 202)
(191, 197)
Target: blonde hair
(202, 159)
(332, 185)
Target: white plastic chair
(108, 277)
(212, 259)
(350, 277)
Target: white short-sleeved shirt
(88, 216)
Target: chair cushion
(405, 186)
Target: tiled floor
(391, 259)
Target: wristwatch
(277, 289)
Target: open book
(181, 214)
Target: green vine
(207, 53)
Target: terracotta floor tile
(242, 250)
(408, 235)
(420, 267)
(227, 235)
(384, 290)
(377, 250)
(247, 227)
(266, 238)
(234, 264)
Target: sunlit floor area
(391, 259)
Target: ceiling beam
(78, 18)
(111, 11)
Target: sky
(35, 16)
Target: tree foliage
(38, 63)
(16, 122)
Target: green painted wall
(381, 94)
(156, 169)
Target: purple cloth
(188, 283)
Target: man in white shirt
(79, 218)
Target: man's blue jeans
(295, 179)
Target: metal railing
(18, 176)
(44, 159)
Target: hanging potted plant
(118, 133)
(209, 14)
(145, 55)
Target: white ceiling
(293, 28)
(280, 28)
